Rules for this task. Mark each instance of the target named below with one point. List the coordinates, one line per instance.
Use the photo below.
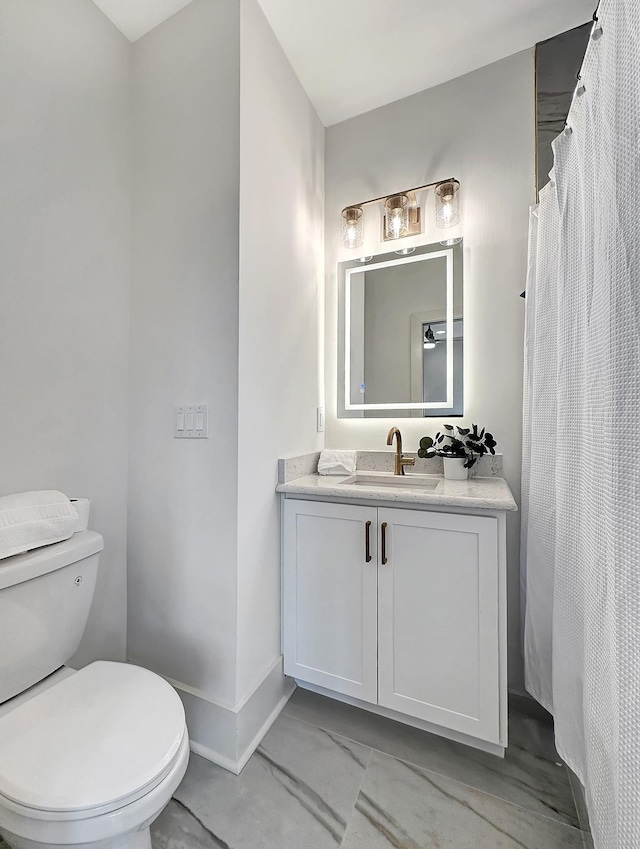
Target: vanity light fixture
(402, 214)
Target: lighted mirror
(401, 329)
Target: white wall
(479, 128)
(65, 215)
(392, 296)
(184, 348)
(281, 282)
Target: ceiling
(134, 18)
(354, 55)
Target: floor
(329, 775)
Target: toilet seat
(93, 743)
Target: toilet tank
(45, 597)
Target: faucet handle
(405, 461)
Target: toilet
(88, 758)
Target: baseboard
(213, 756)
(255, 709)
(228, 736)
(525, 703)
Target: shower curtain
(581, 465)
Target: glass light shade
(447, 204)
(396, 209)
(352, 227)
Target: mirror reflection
(402, 334)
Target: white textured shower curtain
(581, 467)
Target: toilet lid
(95, 738)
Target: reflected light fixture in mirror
(430, 340)
(352, 227)
(447, 197)
(396, 210)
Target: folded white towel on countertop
(337, 463)
(33, 519)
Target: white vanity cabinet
(402, 609)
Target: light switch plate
(191, 421)
(320, 419)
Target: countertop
(491, 493)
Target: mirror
(401, 334)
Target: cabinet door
(330, 597)
(438, 617)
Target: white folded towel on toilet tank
(337, 463)
(32, 519)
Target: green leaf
(448, 427)
(426, 442)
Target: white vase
(454, 469)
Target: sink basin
(419, 483)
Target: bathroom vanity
(394, 597)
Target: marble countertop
(491, 493)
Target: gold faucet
(401, 461)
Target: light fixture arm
(404, 192)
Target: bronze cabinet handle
(367, 542)
(384, 543)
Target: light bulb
(352, 229)
(447, 196)
(396, 210)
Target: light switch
(191, 421)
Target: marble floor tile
(177, 828)
(532, 736)
(581, 804)
(298, 791)
(531, 774)
(404, 807)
